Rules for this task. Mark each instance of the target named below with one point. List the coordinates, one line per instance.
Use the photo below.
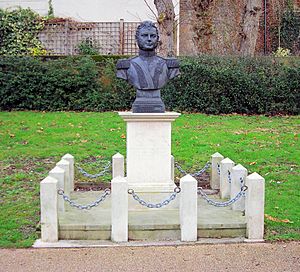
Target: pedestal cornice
(149, 117)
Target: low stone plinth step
(150, 224)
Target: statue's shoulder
(172, 62)
(123, 63)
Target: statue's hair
(146, 24)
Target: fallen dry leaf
(274, 219)
(123, 136)
(252, 163)
(12, 135)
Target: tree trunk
(202, 25)
(166, 22)
(250, 27)
(220, 27)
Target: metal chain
(84, 207)
(222, 204)
(229, 176)
(200, 172)
(157, 205)
(243, 184)
(197, 174)
(86, 174)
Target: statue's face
(147, 39)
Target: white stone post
(65, 165)
(255, 204)
(49, 210)
(172, 167)
(225, 166)
(239, 174)
(119, 209)
(214, 172)
(59, 174)
(188, 208)
(117, 165)
(70, 159)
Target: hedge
(207, 84)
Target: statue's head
(147, 36)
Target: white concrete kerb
(49, 210)
(71, 160)
(65, 165)
(188, 208)
(59, 174)
(255, 202)
(216, 159)
(225, 166)
(119, 209)
(239, 174)
(117, 165)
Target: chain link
(222, 204)
(84, 207)
(157, 205)
(218, 169)
(196, 174)
(102, 173)
(243, 184)
(229, 176)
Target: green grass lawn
(32, 142)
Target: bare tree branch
(151, 9)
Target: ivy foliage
(50, 10)
(19, 30)
(290, 31)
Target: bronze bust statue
(147, 72)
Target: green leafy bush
(72, 83)
(242, 85)
(207, 84)
(19, 32)
(86, 47)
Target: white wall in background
(92, 10)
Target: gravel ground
(221, 257)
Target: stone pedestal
(148, 102)
(148, 161)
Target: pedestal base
(167, 187)
(148, 102)
(149, 151)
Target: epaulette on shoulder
(123, 64)
(172, 63)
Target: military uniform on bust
(147, 72)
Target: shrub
(86, 47)
(207, 84)
(236, 85)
